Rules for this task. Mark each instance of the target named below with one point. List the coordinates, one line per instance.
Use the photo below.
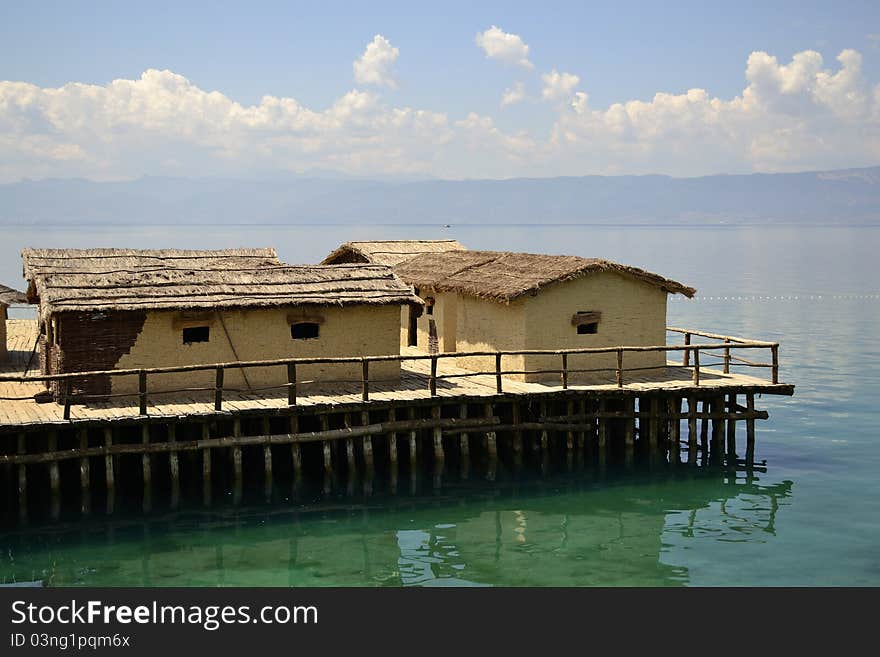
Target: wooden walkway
(413, 385)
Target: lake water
(813, 518)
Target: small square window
(588, 328)
(196, 334)
(304, 331)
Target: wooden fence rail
(688, 348)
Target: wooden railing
(688, 349)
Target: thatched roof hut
(503, 276)
(388, 252)
(218, 286)
(8, 296)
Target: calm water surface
(813, 518)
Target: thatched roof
(56, 260)
(9, 296)
(388, 252)
(88, 281)
(504, 276)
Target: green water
(813, 518)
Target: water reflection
(561, 532)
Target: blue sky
(619, 52)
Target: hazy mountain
(844, 196)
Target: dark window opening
(588, 329)
(196, 334)
(304, 331)
(429, 305)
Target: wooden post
(620, 368)
(84, 474)
(544, 436)
(491, 447)
(206, 466)
(750, 428)
(686, 359)
(629, 431)
(437, 432)
(696, 367)
(54, 476)
(413, 454)
(68, 397)
(365, 380)
(704, 431)
(731, 429)
(328, 457)
(296, 453)
(392, 451)
(717, 429)
(674, 406)
(267, 460)
(109, 474)
(517, 434)
(218, 389)
(692, 430)
(603, 424)
(174, 467)
(146, 465)
(569, 434)
(22, 479)
(564, 371)
(498, 373)
(653, 424)
(291, 384)
(464, 446)
(237, 483)
(727, 356)
(367, 444)
(142, 391)
(432, 382)
(774, 350)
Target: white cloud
(375, 65)
(505, 47)
(800, 114)
(559, 86)
(515, 94)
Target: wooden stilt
(464, 446)
(692, 430)
(237, 478)
(295, 454)
(206, 466)
(109, 474)
(704, 431)
(674, 430)
(324, 422)
(629, 431)
(367, 446)
(731, 430)
(439, 455)
(581, 435)
(413, 455)
(22, 480)
(267, 461)
(84, 475)
(750, 429)
(602, 435)
(54, 477)
(653, 423)
(147, 467)
(717, 449)
(392, 453)
(491, 447)
(517, 435)
(174, 466)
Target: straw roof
(388, 252)
(57, 260)
(504, 276)
(9, 296)
(174, 280)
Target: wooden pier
(437, 421)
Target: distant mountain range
(850, 196)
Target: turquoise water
(813, 518)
